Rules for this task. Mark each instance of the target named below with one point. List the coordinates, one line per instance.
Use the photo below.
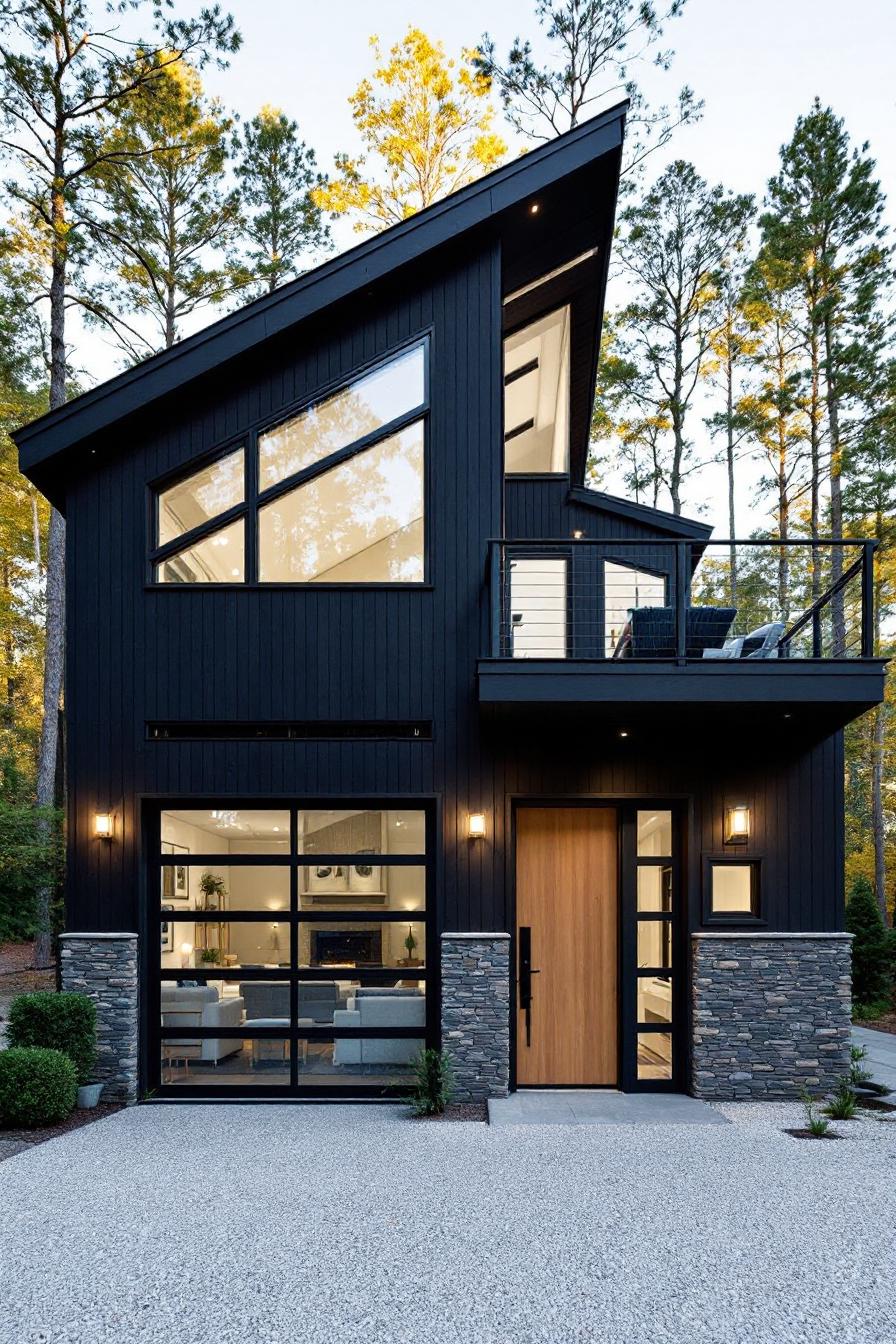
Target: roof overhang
(573, 180)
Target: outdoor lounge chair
(652, 631)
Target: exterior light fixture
(623, 732)
(476, 825)
(104, 825)
(737, 824)
(578, 534)
(534, 208)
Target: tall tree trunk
(732, 533)
(48, 753)
(815, 457)
(837, 607)
(878, 830)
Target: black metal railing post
(868, 550)
(495, 592)
(682, 587)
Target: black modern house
(385, 730)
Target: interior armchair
(199, 1006)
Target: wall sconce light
(104, 825)
(476, 825)
(737, 824)
(578, 534)
(186, 952)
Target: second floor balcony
(635, 622)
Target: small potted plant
(213, 891)
(210, 956)
(410, 944)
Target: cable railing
(637, 599)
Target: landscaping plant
(858, 1074)
(871, 967)
(815, 1123)
(433, 1083)
(843, 1105)
(64, 1021)
(37, 1087)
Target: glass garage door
(293, 948)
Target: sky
(757, 64)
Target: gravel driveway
(280, 1225)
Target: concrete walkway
(573, 1107)
(881, 1061)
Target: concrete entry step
(588, 1107)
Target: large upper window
(536, 396)
(337, 493)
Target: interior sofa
(200, 1006)
(380, 1008)
(318, 999)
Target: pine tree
(169, 217)
(595, 46)
(672, 248)
(281, 222)
(824, 220)
(871, 973)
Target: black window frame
(735, 918)
(293, 975)
(675, 939)
(255, 499)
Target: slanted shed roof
(574, 178)
(687, 529)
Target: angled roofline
(686, 528)
(256, 322)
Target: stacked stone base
(771, 1014)
(476, 1013)
(104, 965)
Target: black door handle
(526, 973)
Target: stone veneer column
(771, 1014)
(104, 965)
(476, 1012)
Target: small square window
(733, 890)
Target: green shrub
(37, 1087)
(843, 1104)
(871, 968)
(433, 1083)
(63, 1021)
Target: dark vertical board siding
(137, 654)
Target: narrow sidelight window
(536, 396)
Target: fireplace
(353, 947)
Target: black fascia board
(658, 519)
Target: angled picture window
(536, 396)
(216, 558)
(340, 498)
(201, 497)
(386, 394)
(359, 522)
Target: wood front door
(567, 946)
